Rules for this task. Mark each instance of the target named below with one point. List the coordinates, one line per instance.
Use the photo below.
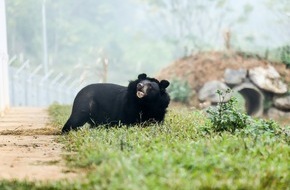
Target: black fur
(113, 104)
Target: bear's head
(149, 88)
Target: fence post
(72, 88)
(30, 86)
(40, 85)
(60, 89)
(17, 78)
(53, 88)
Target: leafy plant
(226, 116)
(180, 91)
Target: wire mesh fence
(29, 86)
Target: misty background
(80, 32)
(85, 38)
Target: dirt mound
(206, 66)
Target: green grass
(182, 153)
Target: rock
(274, 113)
(268, 79)
(282, 102)
(209, 92)
(235, 77)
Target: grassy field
(183, 153)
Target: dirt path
(27, 148)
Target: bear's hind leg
(75, 121)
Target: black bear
(145, 99)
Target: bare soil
(202, 67)
(28, 147)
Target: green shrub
(180, 90)
(226, 115)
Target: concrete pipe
(254, 98)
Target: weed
(226, 116)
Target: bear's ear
(164, 84)
(142, 76)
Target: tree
(282, 12)
(197, 24)
(78, 29)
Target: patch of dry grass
(29, 132)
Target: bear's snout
(141, 92)
(140, 86)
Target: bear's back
(102, 90)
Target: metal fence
(29, 86)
